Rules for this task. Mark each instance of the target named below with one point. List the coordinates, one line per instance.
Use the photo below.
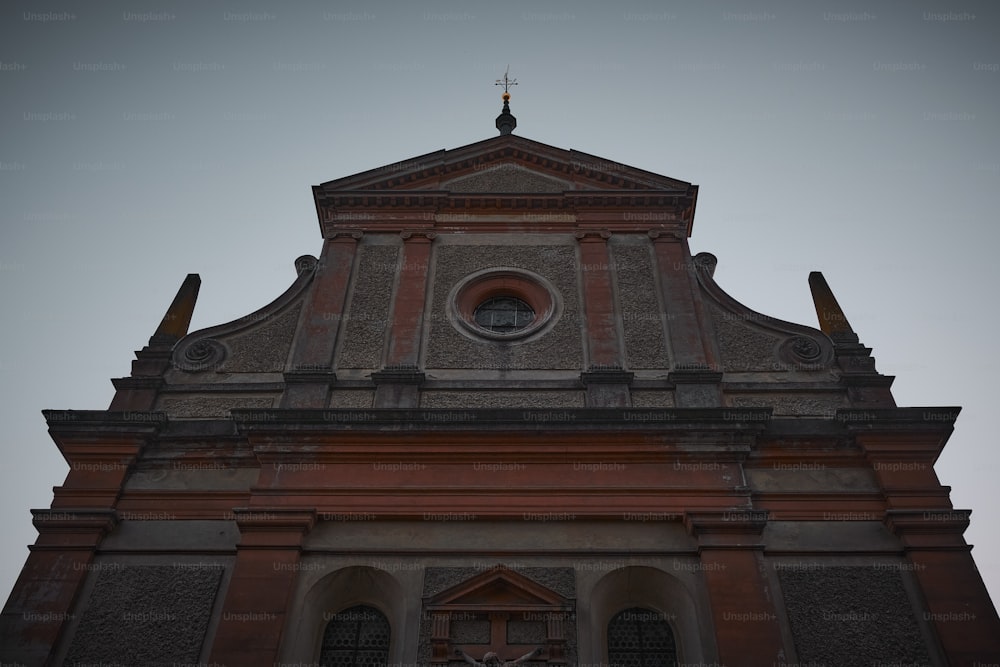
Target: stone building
(504, 416)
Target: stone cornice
(568, 419)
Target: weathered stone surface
(185, 477)
(368, 314)
(652, 399)
(641, 312)
(502, 399)
(525, 632)
(506, 177)
(210, 406)
(810, 478)
(470, 632)
(851, 616)
(742, 347)
(352, 398)
(558, 348)
(819, 405)
(146, 615)
(264, 348)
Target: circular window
(503, 304)
(504, 314)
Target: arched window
(641, 638)
(356, 637)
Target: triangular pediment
(505, 164)
(506, 177)
(497, 588)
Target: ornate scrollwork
(200, 355)
(805, 348)
(305, 264)
(706, 261)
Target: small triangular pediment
(502, 587)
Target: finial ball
(506, 97)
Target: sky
(142, 141)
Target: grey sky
(141, 142)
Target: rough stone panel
(742, 347)
(506, 177)
(851, 616)
(525, 632)
(146, 615)
(347, 398)
(792, 404)
(559, 348)
(210, 406)
(263, 349)
(368, 314)
(502, 399)
(470, 632)
(652, 399)
(642, 316)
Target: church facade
(505, 417)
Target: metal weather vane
(506, 82)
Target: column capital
(730, 529)
(345, 236)
(662, 236)
(418, 235)
(273, 527)
(592, 235)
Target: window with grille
(641, 638)
(356, 637)
(504, 314)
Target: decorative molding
(399, 375)
(202, 350)
(606, 375)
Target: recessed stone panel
(263, 349)
(797, 404)
(652, 398)
(146, 615)
(368, 315)
(557, 348)
(851, 616)
(744, 348)
(502, 399)
(640, 309)
(211, 405)
(352, 398)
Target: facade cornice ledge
(140, 382)
(694, 375)
(399, 375)
(98, 520)
(751, 420)
(733, 528)
(310, 376)
(930, 419)
(131, 422)
(606, 376)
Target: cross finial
(506, 82)
(506, 121)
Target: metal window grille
(356, 637)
